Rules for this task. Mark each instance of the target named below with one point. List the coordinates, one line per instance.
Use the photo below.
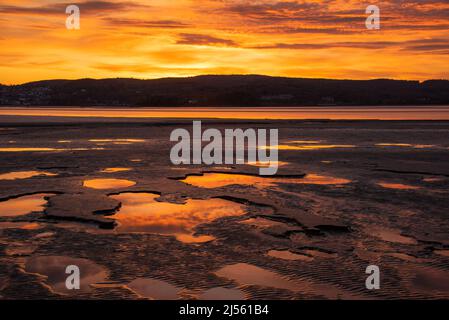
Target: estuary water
(275, 113)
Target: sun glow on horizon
(155, 39)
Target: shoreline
(108, 114)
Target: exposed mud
(309, 232)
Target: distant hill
(233, 90)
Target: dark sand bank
(296, 240)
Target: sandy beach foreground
(102, 194)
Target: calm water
(368, 113)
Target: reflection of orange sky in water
(217, 180)
(416, 146)
(104, 184)
(307, 147)
(261, 222)
(21, 225)
(393, 145)
(398, 186)
(23, 205)
(25, 175)
(117, 140)
(113, 170)
(442, 252)
(390, 113)
(433, 179)
(27, 149)
(220, 293)
(390, 235)
(265, 164)
(140, 212)
(154, 289)
(54, 268)
(247, 274)
(429, 279)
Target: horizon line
(221, 75)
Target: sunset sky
(173, 38)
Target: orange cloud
(300, 38)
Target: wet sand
(349, 194)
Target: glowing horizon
(179, 38)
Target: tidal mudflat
(103, 195)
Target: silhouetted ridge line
(221, 90)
